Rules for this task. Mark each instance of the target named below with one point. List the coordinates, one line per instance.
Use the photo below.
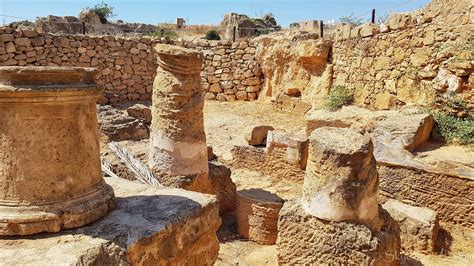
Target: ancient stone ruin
(178, 151)
(50, 160)
(290, 148)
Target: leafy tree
(103, 10)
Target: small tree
(352, 20)
(103, 10)
(212, 35)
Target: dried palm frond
(141, 171)
(106, 168)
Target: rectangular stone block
(150, 226)
(419, 226)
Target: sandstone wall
(413, 58)
(127, 66)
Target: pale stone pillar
(341, 182)
(178, 153)
(50, 173)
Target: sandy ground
(228, 124)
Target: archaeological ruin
(270, 146)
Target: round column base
(17, 219)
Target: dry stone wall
(127, 66)
(413, 58)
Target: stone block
(419, 226)
(306, 240)
(341, 182)
(222, 187)
(141, 112)
(149, 226)
(257, 215)
(258, 136)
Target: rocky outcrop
(148, 226)
(295, 61)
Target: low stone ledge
(150, 226)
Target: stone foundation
(274, 165)
(149, 226)
(306, 240)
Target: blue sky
(211, 11)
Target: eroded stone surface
(257, 215)
(419, 227)
(341, 182)
(117, 126)
(149, 226)
(223, 187)
(442, 185)
(50, 175)
(306, 240)
(178, 151)
(258, 136)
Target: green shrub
(454, 130)
(338, 97)
(160, 33)
(103, 10)
(212, 35)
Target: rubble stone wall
(127, 66)
(413, 58)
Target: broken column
(178, 153)
(339, 220)
(341, 182)
(50, 172)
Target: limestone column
(178, 152)
(50, 173)
(341, 182)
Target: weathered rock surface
(442, 185)
(118, 126)
(284, 157)
(291, 104)
(306, 240)
(341, 182)
(258, 136)
(245, 27)
(223, 187)
(419, 227)
(178, 150)
(257, 215)
(50, 176)
(294, 59)
(140, 111)
(149, 226)
(127, 66)
(409, 61)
